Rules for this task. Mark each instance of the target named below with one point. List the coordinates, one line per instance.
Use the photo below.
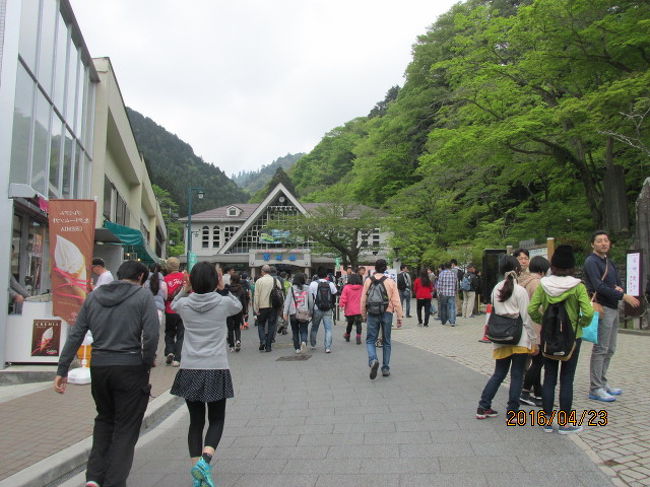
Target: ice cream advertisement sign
(72, 236)
(46, 338)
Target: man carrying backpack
(322, 292)
(469, 286)
(379, 301)
(404, 288)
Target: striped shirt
(447, 282)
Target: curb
(14, 377)
(67, 460)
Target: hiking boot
(358, 339)
(482, 413)
(237, 346)
(203, 472)
(346, 336)
(385, 372)
(568, 429)
(374, 365)
(601, 395)
(169, 358)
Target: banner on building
(72, 237)
(46, 338)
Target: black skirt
(204, 385)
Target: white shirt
(313, 287)
(104, 278)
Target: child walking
(350, 302)
(204, 379)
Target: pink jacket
(351, 299)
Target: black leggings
(216, 419)
(353, 320)
(426, 304)
(234, 330)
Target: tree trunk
(616, 215)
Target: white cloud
(248, 81)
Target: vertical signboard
(72, 236)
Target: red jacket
(422, 292)
(173, 281)
(351, 299)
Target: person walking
(323, 293)
(404, 288)
(104, 276)
(561, 287)
(204, 379)
(605, 287)
(174, 329)
(297, 311)
(350, 303)
(447, 288)
(511, 300)
(383, 288)
(423, 294)
(235, 322)
(266, 314)
(531, 393)
(122, 318)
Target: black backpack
(401, 282)
(323, 296)
(377, 296)
(276, 297)
(558, 335)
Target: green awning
(133, 243)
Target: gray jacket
(204, 318)
(124, 323)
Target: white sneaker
(176, 363)
(601, 395)
(327, 350)
(303, 347)
(298, 350)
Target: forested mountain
(174, 167)
(253, 181)
(518, 119)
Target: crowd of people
(204, 312)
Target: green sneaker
(202, 472)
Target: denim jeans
(299, 330)
(328, 324)
(447, 309)
(602, 353)
(375, 323)
(567, 373)
(266, 321)
(405, 298)
(516, 364)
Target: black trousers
(234, 331)
(353, 320)
(174, 333)
(121, 394)
(426, 304)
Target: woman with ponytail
(511, 300)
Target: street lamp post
(200, 193)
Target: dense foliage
(174, 167)
(253, 181)
(517, 120)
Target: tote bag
(590, 333)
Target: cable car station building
(238, 235)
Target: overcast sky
(247, 81)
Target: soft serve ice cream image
(69, 271)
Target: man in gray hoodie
(123, 320)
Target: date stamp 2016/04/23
(587, 417)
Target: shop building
(237, 235)
(63, 133)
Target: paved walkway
(624, 444)
(321, 422)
